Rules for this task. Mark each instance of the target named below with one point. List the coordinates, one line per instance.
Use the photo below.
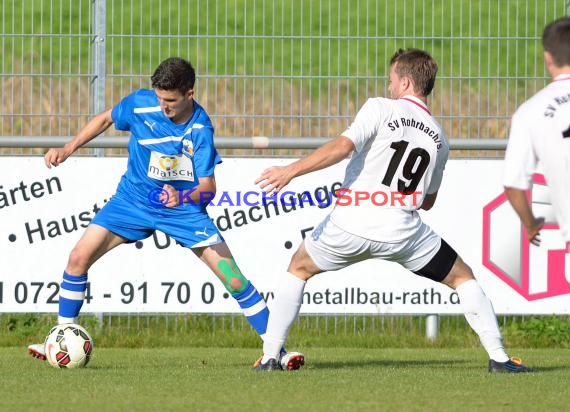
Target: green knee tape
(231, 271)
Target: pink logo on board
(534, 272)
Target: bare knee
(298, 269)
(460, 272)
(78, 262)
(302, 265)
(231, 276)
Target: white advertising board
(43, 213)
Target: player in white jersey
(398, 156)
(170, 167)
(540, 135)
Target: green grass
(273, 67)
(281, 37)
(355, 331)
(349, 331)
(343, 379)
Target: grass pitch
(342, 379)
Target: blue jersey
(161, 151)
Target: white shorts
(332, 248)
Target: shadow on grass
(406, 364)
(391, 363)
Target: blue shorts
(136, 221)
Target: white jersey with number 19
(400, 154)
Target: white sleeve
(520, 158)
(366, 124)
(437, 175)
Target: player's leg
(204, 239)
(328, 248)
(480, 315)
(448, 268)
(220, 260)
(431, 257)
(116, 223)
(94, 243)
(285, 306)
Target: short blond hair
(419, 66)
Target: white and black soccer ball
(68, 346)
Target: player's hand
(274, 179)
(56, 156)
(533, 232)
(170, 196)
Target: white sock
(283, 310)
(62, 320)
(481, 317)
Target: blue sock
(254, 308)
(71, 295)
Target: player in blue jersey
(170, 165)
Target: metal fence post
(98, 79)
(432, 327)
(98, 67)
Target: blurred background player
(540, 135)
(171, 163)
(397, 147)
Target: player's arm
(277, 177)
(428, 201)
(92, 129)
(520, 163)
(203, 193)
(517, 198)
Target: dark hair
(174, 73)
(419, 66)
(556, 41)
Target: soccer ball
(68, 346)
